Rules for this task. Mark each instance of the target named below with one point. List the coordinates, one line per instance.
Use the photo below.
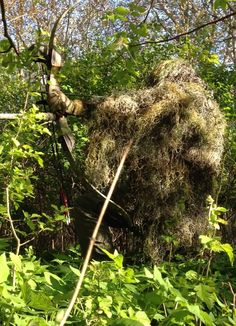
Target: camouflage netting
(178, 133)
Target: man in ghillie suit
(178, 134)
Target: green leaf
(142, 317)
(119, 261)
(137, 8)
(16, 261)
(26, 292)
(40, 301)
(229, 251)
(158, 317)
(222, 221)
(4, 242)
(48, 276)
(4, 45)
(105, 305)
(222, 209)
(76, 271)
(153, 298)
(213, 58)
(16, 142)
(4, 270)
(220, 4)
(148, 274)
(143, 30)
(191, 275)
(116, 257)
(122, 11)
(60, 316)
(158, 277)
(205, 240)
(206, 294)
(202, 315)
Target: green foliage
(174, 293)
(220, 4)
(20, 156)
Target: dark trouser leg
(85, 224)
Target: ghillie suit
(178, 132)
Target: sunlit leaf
(4, 269)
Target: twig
(18, 244)
(11, 222)
(94, 235)
(6, 34)
(234, 297)
(165, 311)
(148, 12)
(176, 37)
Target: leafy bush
(175, 293)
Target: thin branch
(6, 34)
(176, 37)
(234, 297)
(148, 12)
(94, 235)
(18, 243)
(11, 222)
(31, 239)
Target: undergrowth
(180, 292)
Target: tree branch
(176, 37)
(6, 34)
(148, 12)
(95, 232)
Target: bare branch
(95, 232)
(176, 37)
(6, 34)
(148, 12)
